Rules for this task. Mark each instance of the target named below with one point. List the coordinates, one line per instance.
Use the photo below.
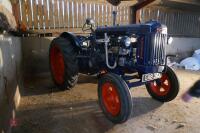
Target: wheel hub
(57, 64)
(111, 98)
(162, 86)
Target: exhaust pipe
(114, 17)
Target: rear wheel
(63, 63)
(166, 88)
(114, 98)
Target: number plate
(150, 76)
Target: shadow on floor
(84, 117)
(143, 105)
(74, 117)
(87, 79)
(38, 84)
(43, 84)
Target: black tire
(123, 95)
(171, 85)
(68, 54)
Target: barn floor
(47, 110)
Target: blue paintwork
(144, 33)
(138, 29)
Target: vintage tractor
(122, 57)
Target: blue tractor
(122, 57)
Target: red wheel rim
(161, 87)
(111, 98)
(57, 64)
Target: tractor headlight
(169, 40)
(126, 41)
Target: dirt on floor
(45, 109)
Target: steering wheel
(89, 22)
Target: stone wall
(10, 80)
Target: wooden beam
(191, 2)
(143, 4)
(137, 7)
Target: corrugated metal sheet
(179, 23)
(43, 15)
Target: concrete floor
(45, 109)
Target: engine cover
(121, 30)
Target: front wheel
(114, 98)
(166, 88)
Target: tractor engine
(102, 54)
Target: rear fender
(72, 38)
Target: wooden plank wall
(178, 22)
(67, 15)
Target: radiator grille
(157, 49)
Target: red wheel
(57, 64)
(63, 63)
(111, 98)
(166, 88)
(114, 98)
(162, 86)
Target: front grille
(157, 49)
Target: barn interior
(30, 100)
